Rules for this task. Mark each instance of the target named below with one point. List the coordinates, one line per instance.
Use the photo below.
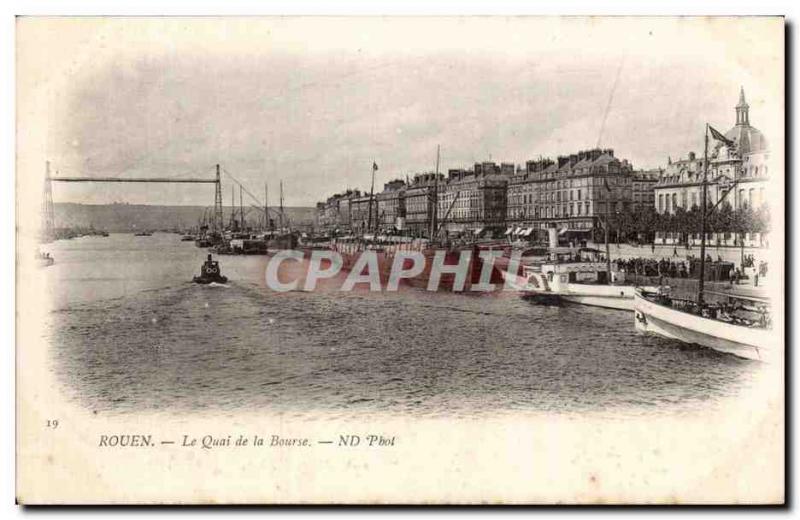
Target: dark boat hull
(205, 280)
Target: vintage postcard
(400, 260)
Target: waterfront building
(471, 200)
(679, 185)
(643, 187)
(391, 206)
(360, 207)
(572, 193)
(334, 215)
(419, 200)
(741, 170)
(743, 164)
(523, 201)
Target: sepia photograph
(400, 260)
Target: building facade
(643, 187)
(420, 200)
(738, 172)
(472, 200)
(571, 193)
(391, 204)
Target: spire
(742, 110)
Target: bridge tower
(219, 224)
(47, 230)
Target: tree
(646, 222)
(743, 220)
(761, 220)
(681, 223)
(720, 220)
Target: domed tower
(742, 110)
(746, 138)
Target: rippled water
(130, 332)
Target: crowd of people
(690, 267)
(652, 267)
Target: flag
(719, 137)
(374, 166)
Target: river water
(129, 332)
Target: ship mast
(435, 197)
(266, 208)
(281, 215)
(233, 210)
(371, 191)
(701, 284)
(241, 208)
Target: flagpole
(701, 283)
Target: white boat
(658, 314)
(573, 282)
(717, 326)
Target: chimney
(562, 160)
(573, 159)
(691, 156)
(595, 153)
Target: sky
(313, 102)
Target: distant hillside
(132, 217)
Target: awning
(509, 230)
(528, 232)
(478, 231)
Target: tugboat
(210, 273)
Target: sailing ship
(732, 327)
